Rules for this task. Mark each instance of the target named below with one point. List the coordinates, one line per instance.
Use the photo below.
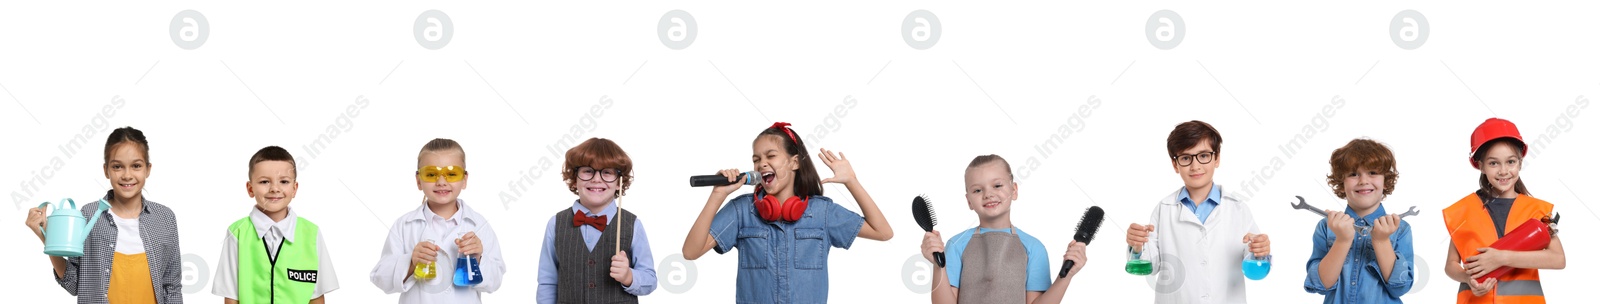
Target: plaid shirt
(88, 276)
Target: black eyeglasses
(587, 173)
(1202, 157)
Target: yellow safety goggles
(435, 173)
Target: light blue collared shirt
(644, 269)
(1203, 210)
(1360, 280)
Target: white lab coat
(413, 227)
(1199, 263)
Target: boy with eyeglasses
(1197, 228)
(594, 252)
(435, 235)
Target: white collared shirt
(421, 225)
(1207, 255)
(227, 278)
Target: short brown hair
(600, 154)
(1358, 154)
(986, 159)
(273, 153)
(1188, 134)
(441, 145)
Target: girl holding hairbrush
(784, 230)
(986, 264)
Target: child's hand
(1076, 252)
(842, 173)
(1385, 226)
(733, 176)
(620, 269)
(1488, 259)
(932, 242)
(1259, 244)
(470, 245)
(1138, 235)
(424, 253)
(1479, 290)
(36, 222)
(1344, 227)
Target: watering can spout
(87, 225)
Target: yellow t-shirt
(130, 269)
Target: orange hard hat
(1492, 129)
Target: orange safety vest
(1472, 228)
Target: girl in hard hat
(1500, 204)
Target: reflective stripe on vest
(1471, 227)
(1512, 288)
(291, 277)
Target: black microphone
(1086, 229)
(752, 178)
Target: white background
(1002, 78)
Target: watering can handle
(68, 201)
(36, 228)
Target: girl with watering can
(121, 249)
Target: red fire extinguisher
(1532, 235)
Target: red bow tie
(580, 219)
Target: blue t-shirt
(1038, 258)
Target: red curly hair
(598, 153)
(1362, 153)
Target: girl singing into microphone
(784, 229)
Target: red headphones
(791, 210)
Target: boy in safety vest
(273, 256)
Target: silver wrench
(1362, 229)
(1409, 212)
(1307, 207)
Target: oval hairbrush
(922, 210)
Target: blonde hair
(442, 145)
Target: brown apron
(994, 269)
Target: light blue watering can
(68, 228)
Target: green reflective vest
(291, 277)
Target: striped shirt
(88, 276)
